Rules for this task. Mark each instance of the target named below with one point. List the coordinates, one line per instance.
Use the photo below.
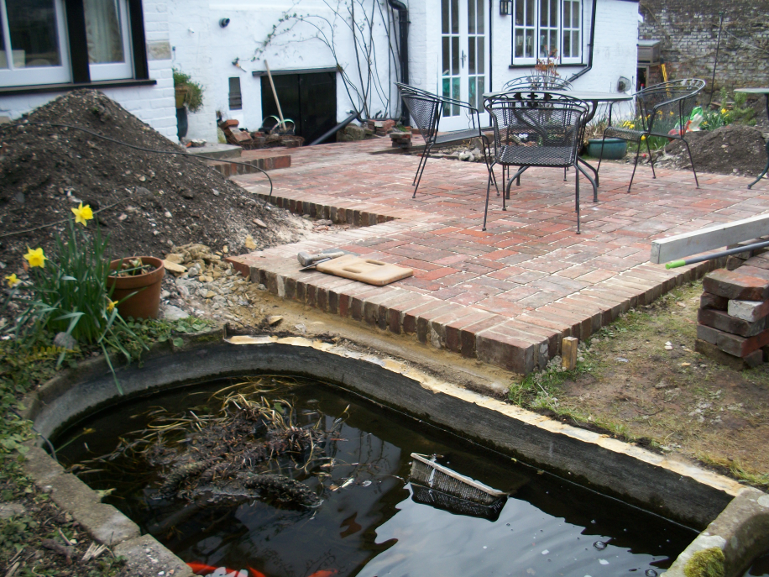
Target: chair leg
(635, 165)
(421, 169)
(564, 173)
(576, 194)
(651, 158)
(600, 158)
(692, 161)
(490, 168)
(488, 191)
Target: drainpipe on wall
(591, 44)
(403, 49)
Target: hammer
(308, 260)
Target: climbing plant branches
(351, 30)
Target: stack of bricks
(235, 136)
(381, 127)
(401, 139)
(733, 320)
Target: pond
(370, 520)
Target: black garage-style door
(309, 99)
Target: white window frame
(13, 76)
(117, 70)
(537, 28)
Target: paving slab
(529, 267)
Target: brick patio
(506, 296)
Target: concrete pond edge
(735, 518)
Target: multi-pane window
(547, 29)
(36, 37)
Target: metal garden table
(594, 98)
(765, 92)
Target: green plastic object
(613, 148)
(675, 264)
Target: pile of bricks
(401, 139)
(234, 135)
(733, 320)
(381, 127)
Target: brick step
(251, 164)
(336, 214)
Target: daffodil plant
(69, 290)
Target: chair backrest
(425, 109)
(665, 108)
(550, 123)
(540, 82)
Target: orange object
(324, 573)
(256, 572)
(203, 569)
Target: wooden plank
(719, 236)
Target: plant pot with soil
(136, 281)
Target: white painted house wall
(152, 104)
(206, 51)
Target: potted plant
(135, 284)
(189, 96)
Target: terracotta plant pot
(145, 304)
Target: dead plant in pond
(250, 447)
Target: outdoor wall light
(505, 7)
(224, 22)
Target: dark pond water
(369, 523)
(760, 567)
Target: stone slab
(748, 310)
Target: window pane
(445, 16)
(566, 52)
(471, 55)
(566, 13)
(553, 48)
(518, 43)
(481, 55)
(553, 12)
(575, 15)
(519, 12)
(543, 12)
(481, 20)
(471, 16)
(455, 16)
(529, 51)
(455, 95)
(472, 95)
(455, 55)
(575, 43)
(103, 31)
(34, 39)
(530, 12)
(446, 67)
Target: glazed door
(463, 59)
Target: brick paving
(506, 296)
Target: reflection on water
(369, 525)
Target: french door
(464, 58)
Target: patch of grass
(737, 470)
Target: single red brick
(748, 310)
(711, 301)
(733, 344)
(746, 283)
(724, 322)
(506, 351)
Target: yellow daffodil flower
(111, 306)
(643, 137)
(12, 280)
(82, 214)
(723, 111)
(35, 257)
(632, 126)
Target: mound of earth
(147, 202)
(732, 149)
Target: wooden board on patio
(364, 270)
(713, 237)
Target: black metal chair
(538, 129)
(426, 109)
(661, 110)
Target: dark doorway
(309, 99)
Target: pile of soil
(147, 202)
(733, 149)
